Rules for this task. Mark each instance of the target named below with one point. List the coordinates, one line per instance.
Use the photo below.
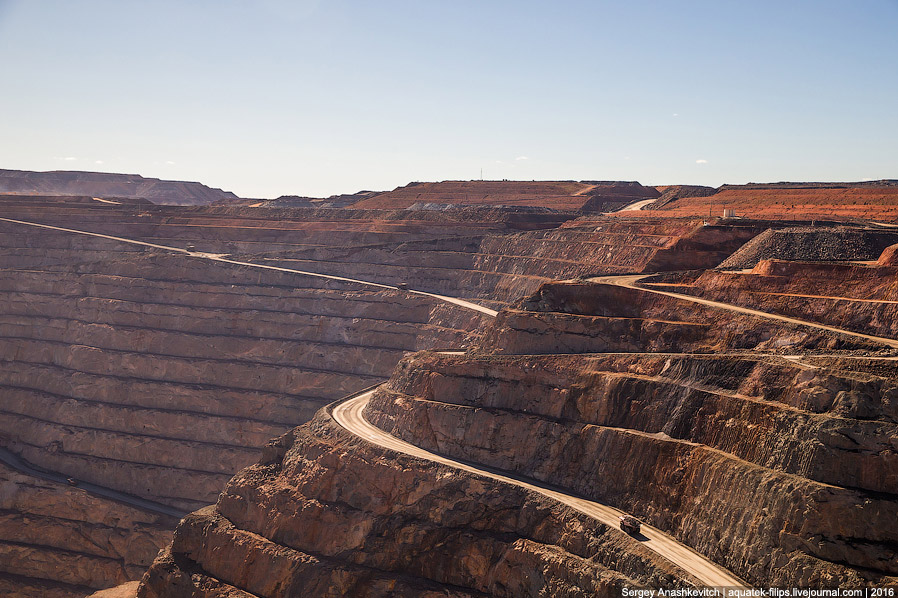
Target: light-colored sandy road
(637, 205)
(219, 258)
(349, 415)
(631, 281)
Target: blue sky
(315, 97)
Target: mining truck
(630, 524)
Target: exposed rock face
(780, 471)
(858, 297)
(162, 374)
(107, 185)
(497, 255)
(762, 465)
(574, 317)
(889, 256)
(83, 541)
(328, 514)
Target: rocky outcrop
(768, 489)
(328, 514)
(58, 541)
(889, 256)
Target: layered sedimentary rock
(82, 541)
(161, 375)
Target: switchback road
(348, 414)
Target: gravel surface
(812, 245)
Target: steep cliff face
(779, 495)
(782, 472)
(84, 541)
(327, 514)
(110, 370)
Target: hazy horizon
(319, 98)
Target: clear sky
(315, 97)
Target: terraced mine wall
(581, 317)
(782, 472)
(489, 254)
(858, 297)
(162, 375)
(779, 470)
(57, 541)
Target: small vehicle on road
(402, 286)
(71, 481)
(630, 524)
(191, 248)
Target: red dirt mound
(889, 256)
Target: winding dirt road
(25, 467)
(220, 258)
(348, 414)
(631, 281)
(637, 205)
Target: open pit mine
(463, 388)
